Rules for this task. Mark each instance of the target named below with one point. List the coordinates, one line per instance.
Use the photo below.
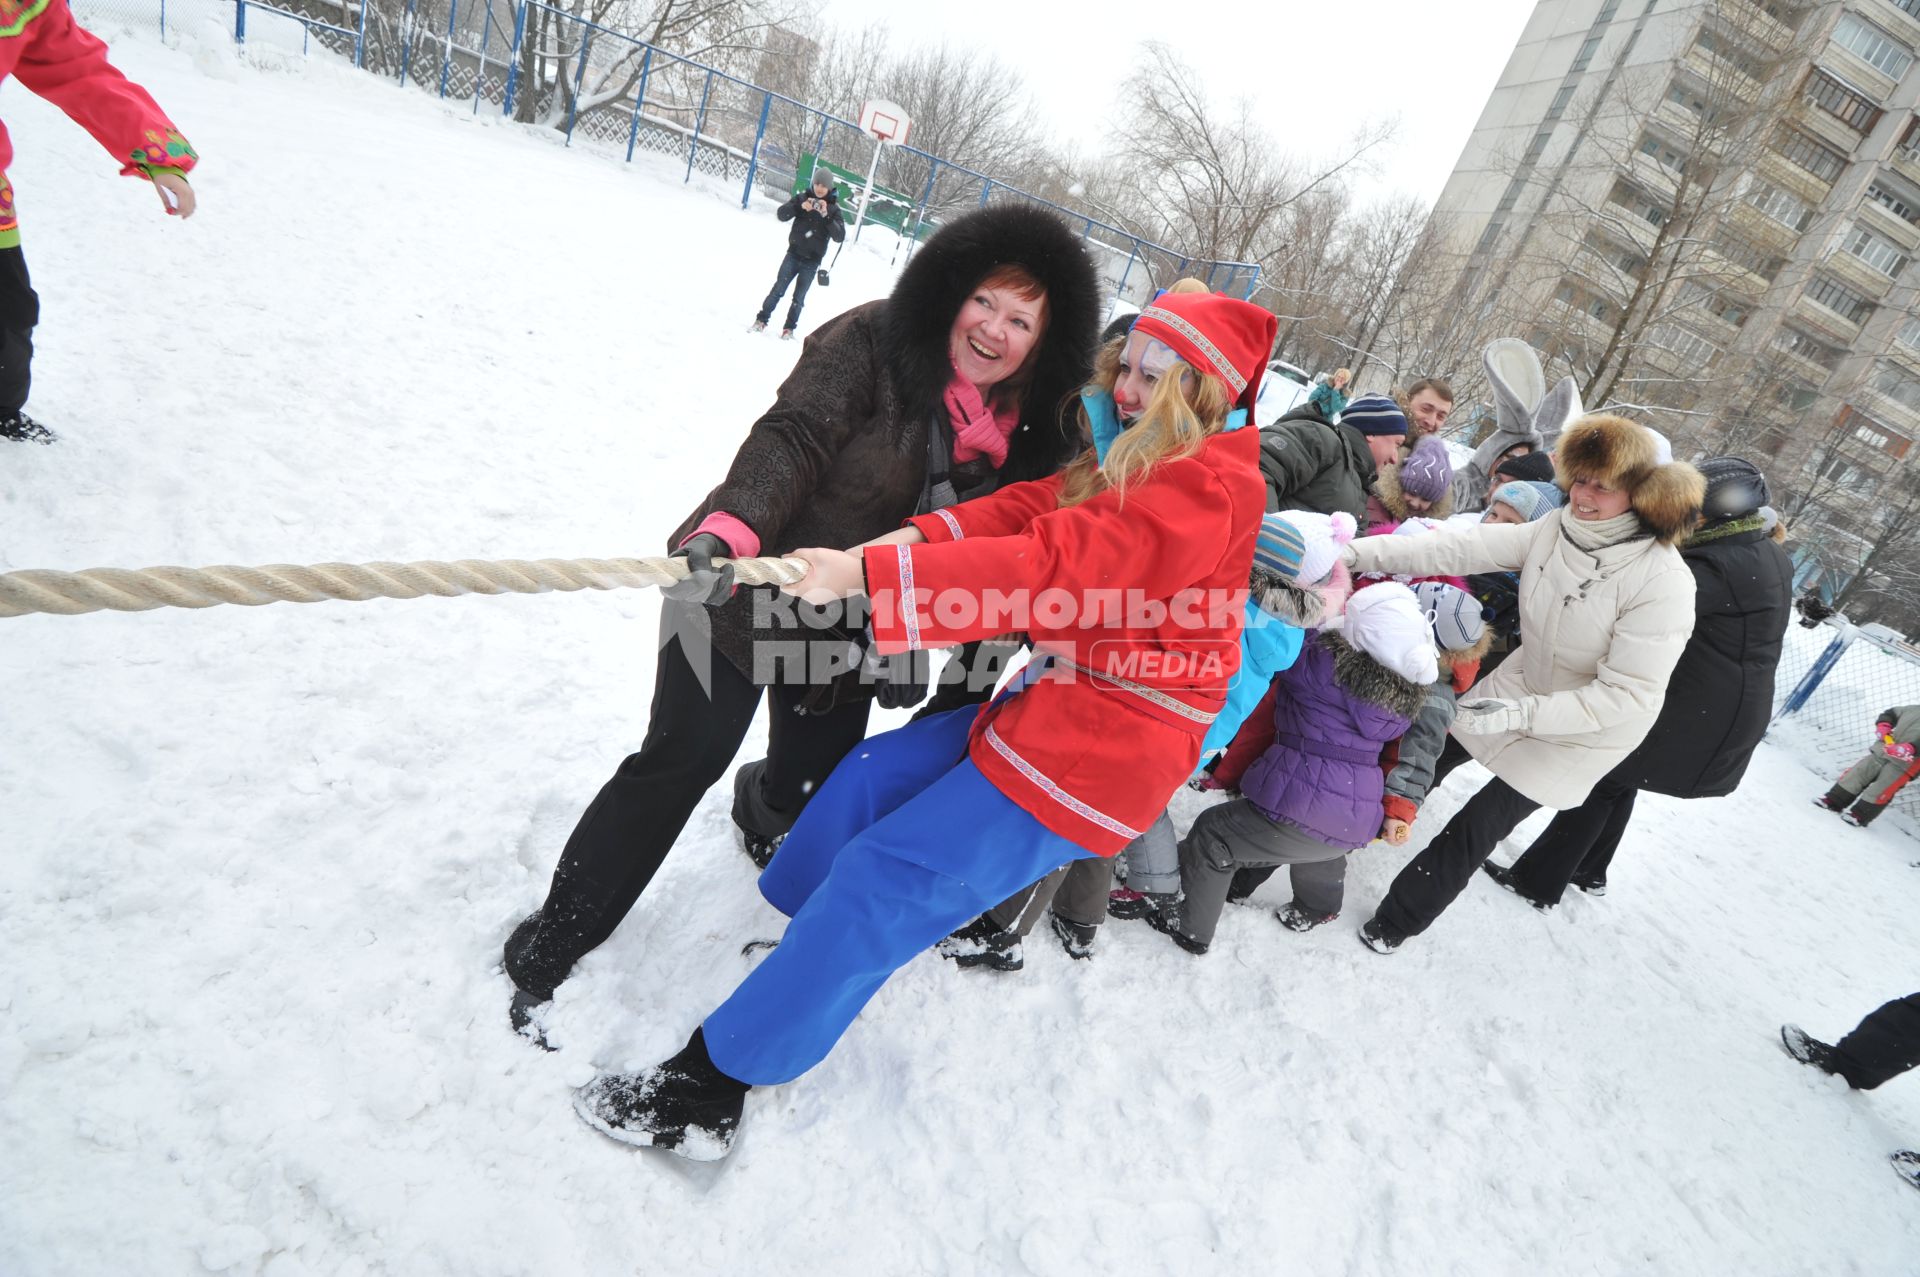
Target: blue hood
(1105, 420)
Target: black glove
(1499, 595)
(897, 684)
(705, 583)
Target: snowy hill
(256, 864)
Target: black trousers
(1579, 844)
(1431, 880)
(1886, 1044)
(624, 836)
(795, 270)
(19, 313)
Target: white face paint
(1142, 365)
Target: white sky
(1315, 72)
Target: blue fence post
(513, 56)
(239, 21)
(986, 192)
(486, 46)
(163, 19)
(753, 161)
(1253, 285)
(639, 102)
(1120, 289)
(406, 40)
(579, 77)
(360, 38)
(699, 122)
(1822, 667)
(446, 50)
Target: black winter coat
(812, 231)
(841, 456)
(1310, 464)
(1720, 697)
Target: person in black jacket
(1718, 701)
(1311, 464)
(815, 214)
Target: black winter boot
(1123, 902)
(760, 828)
(1075, 937)
(983, 946)
(524, 1010)
(1863, 813)
(1294, 918)
(1835, 799)
(1806, 1048)
(1906, 1164)
(1167, 922)
(21, 428)
(1380, 937)
(1503, 874)
(685, 1105)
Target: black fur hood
(934, 285)
(1367, 679)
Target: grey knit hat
(1735, 488)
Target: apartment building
(1711, 210)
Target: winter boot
(1167, 922)
(1906, 1164)
(1503, 874)
(1806, 1048)
(1294, 918)
(1075, 937)
(1835, 799)
(759, 326)
(759, 826)
(982, 945)
(1863, 813)
(786, 334)
(21, 428)
(759, 847)
(1379, 937)
(523, 1011)
(686, 1105)
(1596, 887)
(1122, 903)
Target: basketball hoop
(885, 122)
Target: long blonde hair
(1174, 424)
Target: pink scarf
(977, 430)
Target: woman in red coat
(1130, 575)
(43, 48)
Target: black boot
(981, 945)
(1294, 918)
(1167, 923)
(524, 1010)
(21, 428)
(1075, 937)
(760, 828)
(1806, 1048)
(1503, 874)
(1906, 1164)
(1863, 813)
(1835, 799)
(685, 1105)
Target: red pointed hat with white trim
(1217, 334)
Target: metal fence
(532, 62)
(1832, 681)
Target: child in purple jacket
(1314, 792)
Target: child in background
(43, 48)
(1873, 782)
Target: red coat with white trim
(43, 48)
(1138, 602)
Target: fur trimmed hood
(937, 282)
(1297, 605)
(1366, 679)
(1623, 454)
(1386, 487)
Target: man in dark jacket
(815, 214)
(1718, 701)
(1311, 464)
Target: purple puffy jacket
(1334, 710)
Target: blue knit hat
(1530, 500)
(1300, 546)
(1375, 415)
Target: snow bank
(258, 862)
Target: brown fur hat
(1622, 454)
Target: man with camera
(815, 214)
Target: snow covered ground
(256, 864)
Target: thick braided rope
(137, 590)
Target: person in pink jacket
(43, 48)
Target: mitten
(1900, 751)
(1486, 717)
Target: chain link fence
(541, 65)
(1832, 680)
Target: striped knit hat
(1453, 613)
(1530, 500)
(1374, 415)
(1300, 546)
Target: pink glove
(1900, 750)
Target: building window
(1910, 143)
(1539, 144)
(1839, 299)
(1895, 199)
(1689, 346)
(1795, 395)
(1638, 203)
(1910, 331)
(1898, 386)
(1665, 154)
(1731, 52)
(1872, 46)
(1881, 254)
(1739, 251)
(1795, 342)
(1582, 58)
(1565, 95)
(1832, 95)
(1802, 151)
(1783, 207)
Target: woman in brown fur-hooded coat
(1606, 607)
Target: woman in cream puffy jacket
(1606, 607)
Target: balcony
(1857, 275)
(1899, 21)
(1757, 228)
(1884, 221)
(1891, 411)
(1756, 24)
(1655, 177)
(1790, 177)
(1722, 75)
(1836, 327)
